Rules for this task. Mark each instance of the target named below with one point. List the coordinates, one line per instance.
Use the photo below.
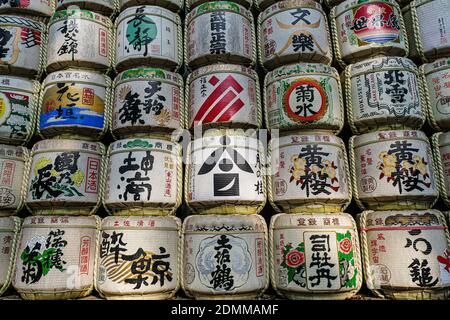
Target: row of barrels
(399, 254)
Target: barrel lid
(76, 75)
(380, 136)
(7, 224)
(290, 4)
(144, 222)
(382, 63)
(148, 10)
(13, 82)
(128, 145)
(308, 138)
(21, 22)
(218, 6)
(148, 73)
(301, 69)
(350, 4)
(80, 14)
(291, 220)
(437, 65)
(61, 222)
(55, 145)
(233, 223)
(219, 68)
(406, 218)
(13, 152)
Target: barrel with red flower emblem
(105, 7)
(22, 47)
(298, 242)
(225, 173)
(74, 103)
(13, 177)
(383, 93)
(309, 173)
(364, 29)
(139, 258)
(9, 233)
(225, 257)
(304, 96)
(223, 95)
(393, 170)
(427, 22)
(56, 257)
(65, 177)
(406, 254)
(294, 31)
(79, 38)
(437, 93)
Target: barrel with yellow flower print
(315, 256)
(65, 177)
(392, 170)
(406, 254)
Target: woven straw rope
(416, 32)
(24, 185)
(12, 257)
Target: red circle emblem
(305, 100)
(295, 258)
(345, 245)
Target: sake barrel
(225, 174)
(56, 257)
(105, 7)
(315, 256)
(21, 46)
(74, 103)
(223, 95)
(437, 93)
(304, 96)
(190, 4)
(406, 254)
(174, 5)
(150, 36)
(294, 31)
(13, 177)
(147, 100)
(65, 177)
(139, 258)
(309, 173)
(144, 177)
(40, 8)
(383, 93)
(219, 31)
(18, 107)
(9, 232)
(364, 29)
(392, 170)
(441, 151)
(225, 257)
(426, 22)
(79, 38)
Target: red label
(88, 96)
(305, 100)
(85, 247)
(7, 173)
(92, 169)
(259, 257)
(103, 43)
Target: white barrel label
(12, 165)
(223, 97)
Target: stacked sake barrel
(314, 245)
(22, 44)
(225, 240)
(394, 180)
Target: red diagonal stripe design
(219, 107)
(221, 88)
(235, 107)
